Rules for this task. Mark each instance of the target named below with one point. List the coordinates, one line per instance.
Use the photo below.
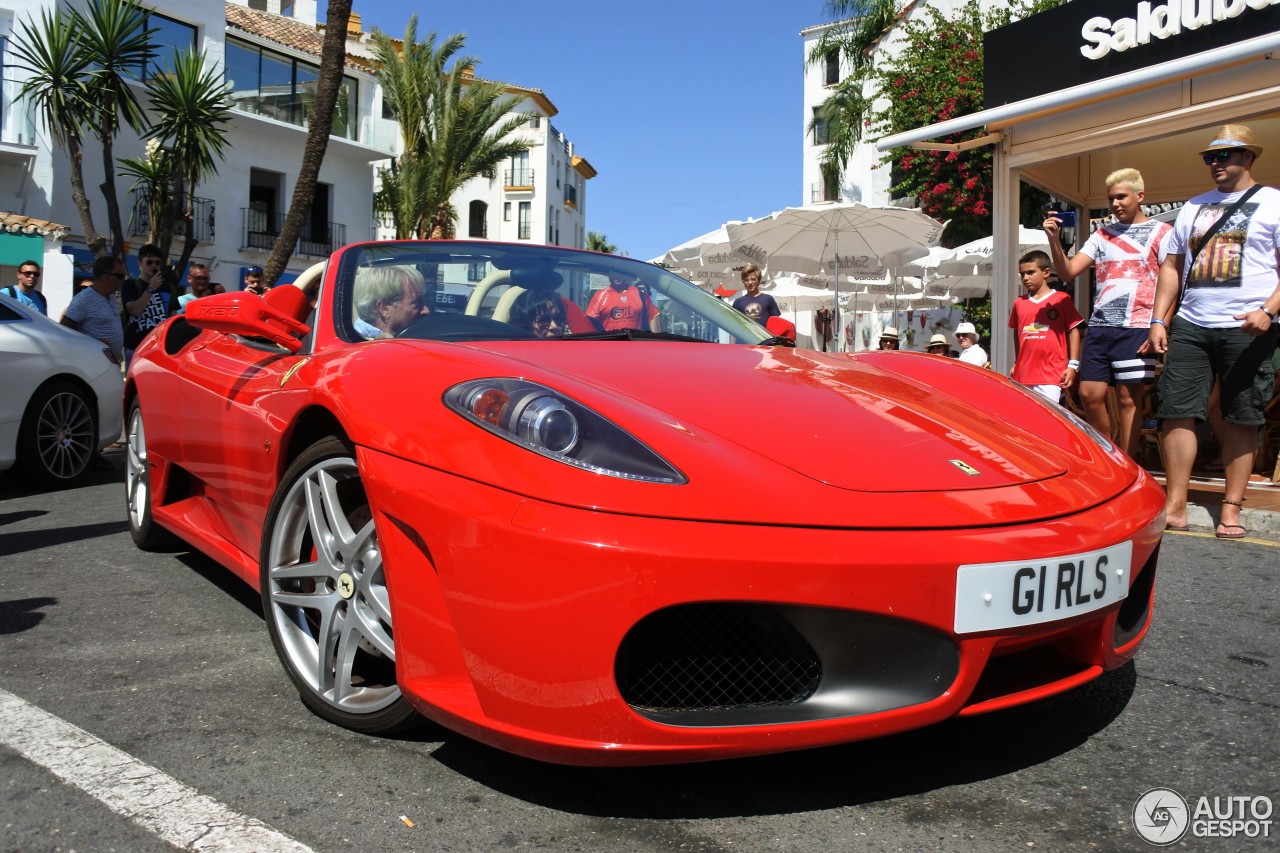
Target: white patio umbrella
(977, 251)
(793, 295)
(708, 260)
(836, 238)
(965, 286)
(968, 273)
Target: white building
(269, 58)
(865, 178)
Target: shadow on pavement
(22, 615)
(31, 540)
(956, 752)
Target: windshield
(465, 291)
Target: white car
(61, 398)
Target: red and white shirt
(1126, 260)
(1041, 327)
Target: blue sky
(690, 111)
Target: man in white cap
(970, 351)
(889, 338)
(1222, 257)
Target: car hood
(781, 435)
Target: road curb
(1261, 524)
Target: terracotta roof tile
(16, 223)
(283, 31)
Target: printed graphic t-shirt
(1236, 270)
(630, 309)
(1126, 259)
(760, 307)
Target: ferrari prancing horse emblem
(965, 467)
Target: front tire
(146, 534)
(58, 436)
(325, 597)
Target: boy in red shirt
(1046, 327)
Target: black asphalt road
(166, 657)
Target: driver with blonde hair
(388, 299)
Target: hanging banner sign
(1089, 40)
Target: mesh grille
(715, 657)
(179, 334)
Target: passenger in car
(541, 312)
(388, 299)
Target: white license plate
(994, 596)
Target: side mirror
(241, 313)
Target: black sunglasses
(1220, 156)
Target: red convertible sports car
(572, 506)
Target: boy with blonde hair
(1126, 255)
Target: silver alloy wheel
(65, 435)
(137, 478)
(326, 593)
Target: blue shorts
(1111, 355)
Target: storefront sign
(1111, 37)
(1166, 20)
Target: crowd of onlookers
(119, 309)
(1203, 295)
(1200, 299)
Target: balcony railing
(517, 178)
(556, 137)
(571, 197)
(823, 192)
(202, 222)
(261, 229)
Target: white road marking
(159, 803)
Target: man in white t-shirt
(1225, 327)
(1126, 256)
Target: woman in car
(541, 312)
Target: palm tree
(153, 183)
(193, 115)
(453, 128)
(117, 42)
(333, 57)
(49, 51)
(408, 75)
(81, 66)
(846, 110)
(598, 242)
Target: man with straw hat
(1222, 260)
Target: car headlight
(553, 425)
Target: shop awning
(16, 248)
(1075, 97)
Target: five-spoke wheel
(325, 596)
(137, 481)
